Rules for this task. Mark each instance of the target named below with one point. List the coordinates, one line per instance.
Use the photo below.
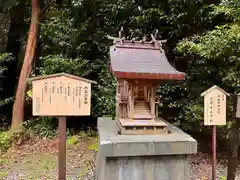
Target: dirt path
(38, 160)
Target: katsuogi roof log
(141, 60)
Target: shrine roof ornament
(141, 60)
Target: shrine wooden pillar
(152, 102)
(118, 99)
(145, 93)
(131, 100)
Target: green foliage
(218, 49)
(72, 40)
(94, 145)
(87, 134)
(223, 178)
(83, 172)
(58, 31)
(9, 138)
(58, 63)
(229, 8)
(220, 42)
(72, 140)
(5, 57)
(6, 101)
(3, 175)
(44, 127)
(192, 115)
(6, 5)
(105, 96)
(5, 141)
(147, 17)
(213, 58)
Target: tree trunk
(233, 152)
(18, 107)
(233, 146)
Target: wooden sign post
(61, 95)
(214, 114)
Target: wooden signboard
(215, 106)
(61, 95)
(215, 101)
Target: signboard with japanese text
(61, 95)
(215, 100)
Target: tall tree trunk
(18, 107)
(233, 145)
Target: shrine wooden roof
(141, 61)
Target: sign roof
(212, 88)
(62, 74)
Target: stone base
(142, 157)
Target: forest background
(203, 39)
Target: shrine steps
(142, 110)
(137, 127)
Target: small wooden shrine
(138, 67)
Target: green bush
(5, 141)
(43, 127)
(9, 138)
(94, 145)
(72, 140)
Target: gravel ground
(201, 168)
(39, 159)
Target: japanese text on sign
(61, 96)
(214, 107)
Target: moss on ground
(94, 145)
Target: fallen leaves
(38, 159)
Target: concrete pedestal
(142, 157)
